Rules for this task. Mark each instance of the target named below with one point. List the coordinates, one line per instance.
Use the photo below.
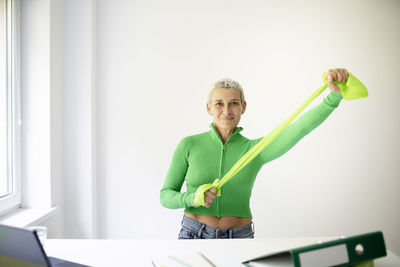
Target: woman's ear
(244, 105)
(209, 108)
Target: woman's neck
(225, 134)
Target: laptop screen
(20, 247)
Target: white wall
(156, 61)
(153, 64)
(79, 119)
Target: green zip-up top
(201, 158)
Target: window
(10, 187)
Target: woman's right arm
(170, 195)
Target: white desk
(227, 253)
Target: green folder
(359, 250)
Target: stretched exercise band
(352, 89)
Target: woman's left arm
(308, 121)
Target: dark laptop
(21, 247)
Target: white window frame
(11, 66)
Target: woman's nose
(227, 109)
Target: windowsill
(27, 217)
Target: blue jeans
(192, 229)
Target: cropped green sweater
(201, 158)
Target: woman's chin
(227, 126)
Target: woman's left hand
(339, 75)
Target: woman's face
(226, 108)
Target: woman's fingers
(331, 83)
(342, 75)
(209, 196)
(339, 75)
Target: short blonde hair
(227, 84)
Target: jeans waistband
(203, 230)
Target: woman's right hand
(205, 195)
(209, 196)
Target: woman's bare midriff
(226, 222)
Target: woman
(201, 158)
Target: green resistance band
(352, 89)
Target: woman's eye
(235, 103)
(218, 104)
